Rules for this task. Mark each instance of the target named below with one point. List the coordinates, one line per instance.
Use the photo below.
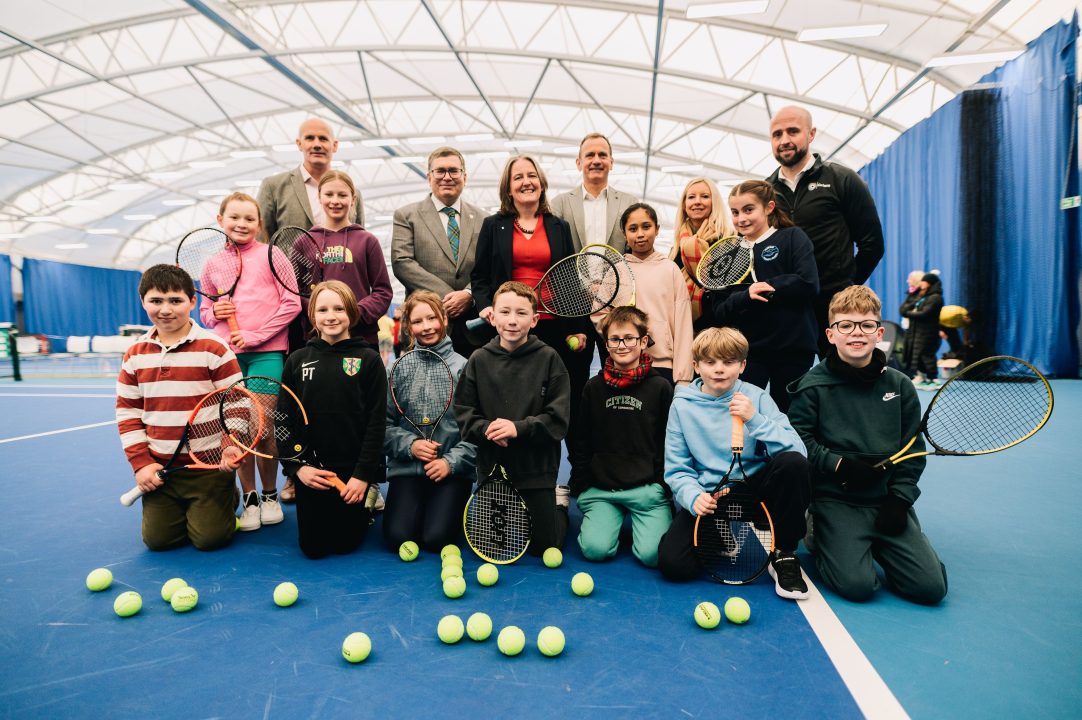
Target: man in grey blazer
(594, 209)
(292, 197)
(434, 244)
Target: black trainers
(788, 580)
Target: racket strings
(734, 544)
(625, 294)
(207, 437)
(725, 264)
(422, 385)
(303, 254)
(497, 523)
(209, 249)
(579, 285)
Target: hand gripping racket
(496, 521)
(213, 260)
(726, 263)
(422, 388)
(625, 295)
(989, 406)
(735, 542)
(206, 438)
(304, 255)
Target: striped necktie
(452, 230)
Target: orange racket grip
(338, 483)
(233, 326)
(738, 435)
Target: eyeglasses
(618, 342)
(846, 327)
(445, 172)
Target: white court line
(871, 694)
(57, 432)
(58, 395)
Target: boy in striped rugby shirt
(163, 375)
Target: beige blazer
(421, 257)
(284, 201)
(568, 206)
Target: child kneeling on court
(162, 378)
(514, 404)
(341, 382)
(617, 464)
(852, 411)
(696, 459)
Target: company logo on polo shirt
(770, 253)
(814, 185)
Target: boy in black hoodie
(618, 459)
(513, 402)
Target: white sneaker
(249, 518)
(563, 496)
(270, 511)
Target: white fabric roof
(123, 123)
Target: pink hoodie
(661, 293)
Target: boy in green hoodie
(852, 411)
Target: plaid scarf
(692, 248)
(620, 379)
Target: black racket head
(303, 256)
(725, 263)
(496, 521)
(990, 405)
(579, 285)
(212, 260)
(735, 542)
(422, 388)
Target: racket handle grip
(129, 498)
(233, 326)
(475, 323)
(737, 439)
(338, 483)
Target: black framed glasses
(448, 172)
(846, 327)
(618, 342)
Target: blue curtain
(7, 299)
(915, 183)
(62, 299)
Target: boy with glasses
(852, 411)
(617, 463)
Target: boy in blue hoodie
(695, 461)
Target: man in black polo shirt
(830, 203)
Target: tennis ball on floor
(454, 587)
(99, 579)
(450, 550)
(511, 640)
(356, 647)
(737, 610)
(479, 627)
(550, 641)
(553, 558)
(184, 599)
(450, 571)
(582, 584)
(408, 551)
(573, 342)
(285, 594)
(488, 574)
(127, 603)
(450, 629)
(707, 615)
(171, 586)
(455, 560)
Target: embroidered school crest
(351, 366)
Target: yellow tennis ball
(450, 629)
(99, 579)
(184, 599)
(238, 524)
(737, 610)
(479, 627)
(171, 586)
(408, 551)
(511, 640)
(573, 342)
(455, 560)
(127, 603)
(356, 647)
(553, 558)
(285, 594)
(450, 550)
(550, 641)
(454, 587)
(707, 615)
(450, 571)
(488, 574)
(582, 584)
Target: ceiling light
(184, 202)
(140, 217)
(248, 154)
(381, 142)
(40, 218)
(284, 147)
(566, 150)
(475, 137)
(166, 175)
(102, 231)
(127, 186)
(203, 164)
(997, 56)
(428, 140)
(214, 192)
(12, 236)
(494, 154)
(841, 32)
(249, 183)
(523, 143)
(71, 246)
(725, 9)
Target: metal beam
(653, 95)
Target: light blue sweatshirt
(697, 439)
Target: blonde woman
(701, 218)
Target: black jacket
(922, 337)
(833, 206)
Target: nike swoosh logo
(889, 396)
(313, 362)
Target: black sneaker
(788, 580)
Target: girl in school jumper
(429, 480)
(266, 309)
(661, 293)
(775, 313)
(922, 338)
(342, 384)
(353, 255)
(701, 220)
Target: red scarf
(620, 379)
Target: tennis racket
(496, 521)
(305, 255)
(626, 293)
(206, 439)
(727, 262)
(213, 260)
(735, 542)
(989, 406)
(422, 388)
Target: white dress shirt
(457, 205)
(596, 213)
(796, 180)
(312, 188)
